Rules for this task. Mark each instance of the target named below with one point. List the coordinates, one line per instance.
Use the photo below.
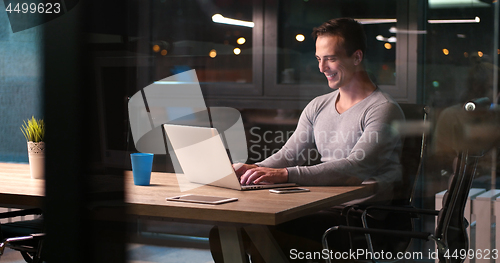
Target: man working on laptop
(351, 129)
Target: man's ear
(358, 57)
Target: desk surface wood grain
(252, 207)
(17, 189)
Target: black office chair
(412, 160)
(25, 236)
(450, 235)
(413, 154)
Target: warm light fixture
(394, 30)
(213, 53)
(368, 21)
(480, 54)
(454, 21)
(300, 37)
(446, 52)
(435, 4)
(387, 45)
(156, 48)
(218, 18)
(237, 51)
(241, 40)
(164, 52)
(385, 39)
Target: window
(20, 86)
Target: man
(351, 129)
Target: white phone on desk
(202, 199)
(288, 190)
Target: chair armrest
(24, 212)
(367, 231)
(6, 242)
(398, 210)
(399, 233)
(402, 209)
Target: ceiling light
(367, 21)
(385, 39)
(241, 40)
(435, 4)
(213, 53)
(300, 37)
(218, 18)
(454, 21)
(394, 30)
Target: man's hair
(348, 29)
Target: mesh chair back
(412, 157)
(451, 224)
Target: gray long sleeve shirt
(358, 144)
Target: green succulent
(33, 130)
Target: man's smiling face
(334, 62)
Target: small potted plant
(34, 132)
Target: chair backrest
(451, 224)
(412, 157)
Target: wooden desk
(253, 209)
(17, 189)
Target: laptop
(203, 157)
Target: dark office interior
(78, 72)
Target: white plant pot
(36, 155)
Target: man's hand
(253, 174)
(241, 168)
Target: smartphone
(202, 199)
(288, 190)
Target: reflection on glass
(296, 60)
(459, 67)
(203, 35)
(458, 49)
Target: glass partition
(460, 52)
(460, 65)
(253, 55)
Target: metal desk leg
(265, 243)
(232, 244)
